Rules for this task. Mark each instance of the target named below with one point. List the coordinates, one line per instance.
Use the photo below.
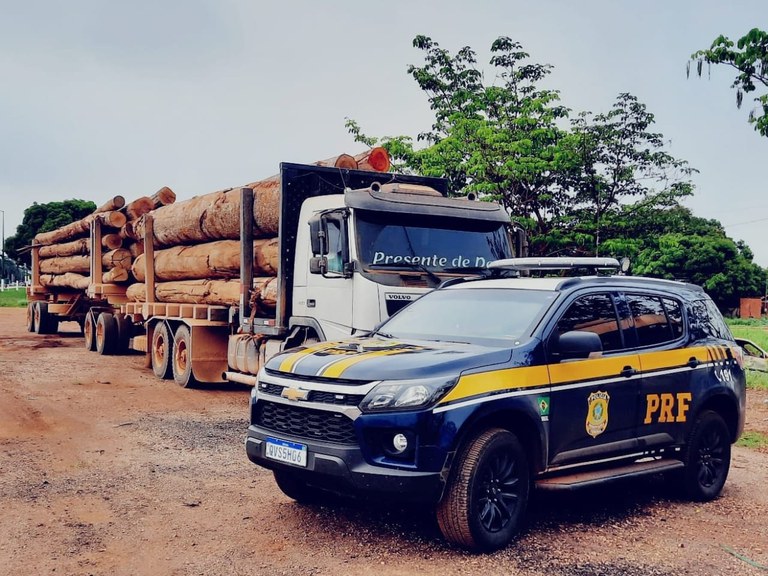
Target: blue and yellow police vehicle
(487, 388)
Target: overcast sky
(101, 98)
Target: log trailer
(354, 246)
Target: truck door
(593, 403)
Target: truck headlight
(406, 394)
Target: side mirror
(318, 265)
(318, 236)
(577, 344)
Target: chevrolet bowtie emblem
(294, 394)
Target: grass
(13, 298)
(754, 440)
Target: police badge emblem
(597, 413)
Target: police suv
(486, 388)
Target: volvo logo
(406, 297)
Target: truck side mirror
(318, 265)
(318, 236)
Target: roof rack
(555, 263)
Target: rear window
(707, 322)
(656, 320)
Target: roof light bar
(554, 263)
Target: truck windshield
(410, 241)
(472, 315)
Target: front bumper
(343, 470)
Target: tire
(41, 317)
(707, 458)
(487, 493)
(292, 485)
(89, 332)
(161, 350)
(31, 325)
(106, 334)
(182, 360)
(124, 333)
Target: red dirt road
(106, 470)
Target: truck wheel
(43, 319)
(707, 458)
(106, 333)
(291, 484)
(89, 332)
(124, 333)
(162, 347)
(487, 493)
(182, 359)
(31, 317)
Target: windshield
(474, 315)
(408, 241)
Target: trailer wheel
(106, 333)
(44, 322)
(182, 360)
(31, 317)
(89, 332)
(124, 333)
(162, 348)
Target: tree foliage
(749, 58)
(44, 218)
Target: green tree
(44, 218)
(749, 58)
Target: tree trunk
(136, 249)
(80, 228)
(163, 197)
(138, 208)
(80, 246)
(115, 275)
(221, 292)
(64, 264)
(120, 258)
(66, 280)
(111, 241)
(219, 259)
(114, 204)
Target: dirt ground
(106, 470)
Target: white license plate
(288, 452)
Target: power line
(747, 222)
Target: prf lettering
(666, 407)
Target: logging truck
(318, 252)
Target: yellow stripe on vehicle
(289, 363)
(336, 369)
(496, 381)
(673, 358)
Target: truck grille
(305, 422)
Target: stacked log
(64, 253)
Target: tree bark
(215, 292)
(64, 264)
(219, 259)
(115, 275)
(80, 228)
(66, 280)
(80, 246)
(114, 204)
(163, 197)
(138, 208)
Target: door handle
(628, 371)
(693, 362)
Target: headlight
(406, 394)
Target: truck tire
(124, 333)
(89, 332)
(292, 485)
(707, 458)
(31, 317)
(182, 360)
(487, 493)
(161, 350)
(45, 323)
(106, 333)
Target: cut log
(81, 227)
(67, 280)
(127, 232)
(114, 204)
(115, 275)
(163, 197)
(219, 259)
(120, 258)
(220, 292)
(138, 208)
(111, 241)
(64, 264)
(136, 249)
(80, 246)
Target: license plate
(288, 452)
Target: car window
(675, 315)
(650, 320)
(594, 313)
(706, 321)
